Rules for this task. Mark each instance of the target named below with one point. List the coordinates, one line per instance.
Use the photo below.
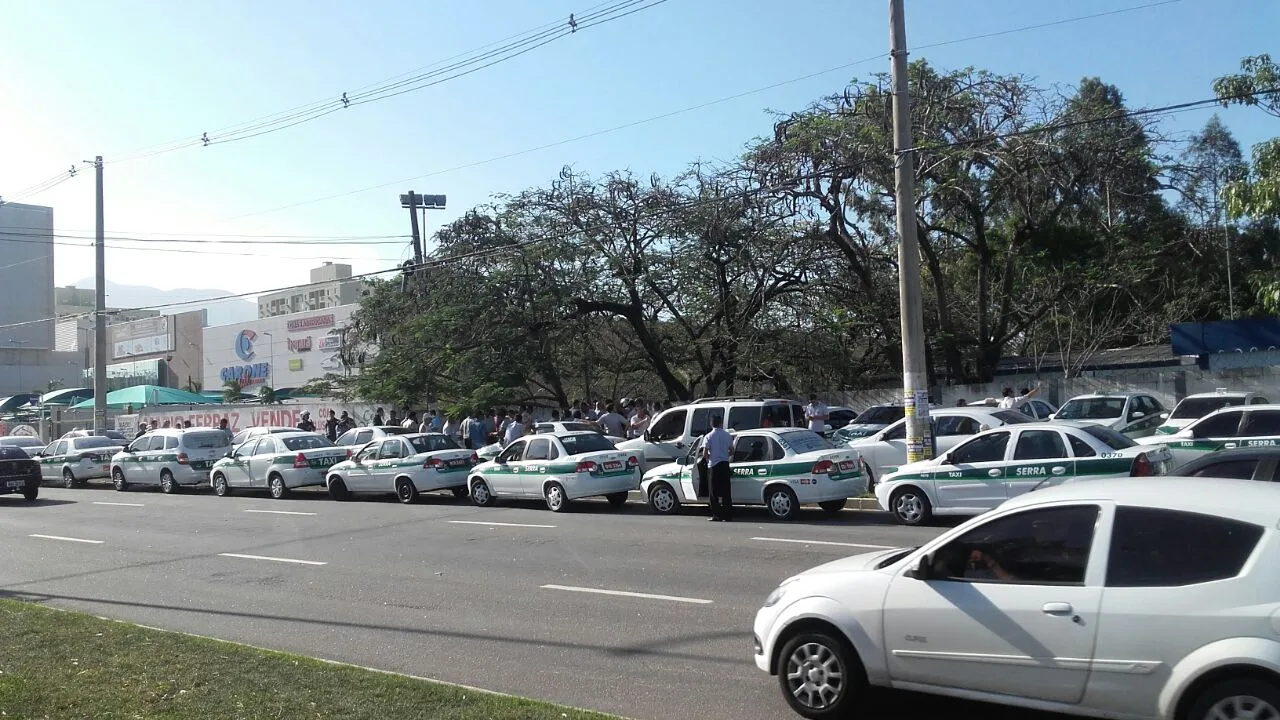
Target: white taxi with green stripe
(1193, 407)
(1229, 427)
(170, 458)
(557, 467)
(277, 463)
(780, 468)
(406, 465)
(993, 466)
(73, 460)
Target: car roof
(1224, 393)
(1249, 500)
(1227, 455)
(1115, 395)
(1044, 425)
(296, 433)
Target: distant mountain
(225, 312)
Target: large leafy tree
(1256, 85)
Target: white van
(170, 458)
(672, 431)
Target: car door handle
(1057, 608)
(1058, 470)
(994, 472)
(1229, 445)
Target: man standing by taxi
(717, 448)
(816, 413)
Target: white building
(331, 286)
(282, 351)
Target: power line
(134, 233)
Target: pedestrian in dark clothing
(305, 425)
(345, 423)
(377, 418)
(718, 444)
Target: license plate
(612, 465)
(459, 462)
(15, 483)
(846, 465)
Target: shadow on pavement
(901, 705)
(18, 501)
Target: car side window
(1229, 470)
(157, 443)
(701, 424)
(247, 448)
(945, 426)
(743, 418)
(48, 449)
(346, 438)
(775, 450)
(749, 448)
(897, 431)
(513, 452)
(668, 426)
(1153, 547)
(171, 443)
(364, 436)
(267, 445)
(1039, 445)
(1047, 546)
(1258, 423)
(1156, 407)
(61, 448)
(367, 453)
(1225, 425)
(388, 449)
(1259, 401)
(140, 444)
(1080, 448)
(539, 449)
(554, 450)
(987, 448)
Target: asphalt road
(495, 598)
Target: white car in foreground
(1138, 598)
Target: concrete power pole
(915, 380)
(100, 310)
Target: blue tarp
(1252, 335)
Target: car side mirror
(1164, 416)
(682, 461)
(1053, 416)
(923, 570)
(1137, 414)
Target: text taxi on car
(557, 467)
(1005, 462)
(1194, 407)
(780, 468)
(277, 463)
(170, 458)
(405, 465)
(74, 460)
(1230, 427)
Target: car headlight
(776, 596)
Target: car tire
(338, 489)
(68, 480)
(663, 499)
(277, 488)
(459, 492)
(833, 507)
(871, 477)
(31, 491)
(220, 486)
(1238, 698)
(117, 479)
(481, 495)
(168, 485)
(910, 506)
(555, 497)
(781, 502)
(617, 500)
(406, 491)
(820, 675)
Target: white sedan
(276, 462)
(1146, 599)
(406, 465)
(490, 451)
(886, 451)
(557, 467)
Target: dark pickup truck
(19, 473)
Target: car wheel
(338, 489)
(1236, 700)
(31, 492)
(68, 480)
(167, 484)
(555, 497)
(275, 484)
(617, 500)
(459, 492)
(910, 506)
(820, 675)
(781, 502)
(480, 493)
(220, 487)
(406, 491)
(663, 500)
(117, 479)
(833, 506)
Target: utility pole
(915, 381)
(415, 202)
(100, 309)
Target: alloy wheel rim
(815, 676)
(909, 506)
(220, 485)
(780, 503)
(1242, 707)
(480, 492)
(554, 497)
(277, 487)
(662, 500)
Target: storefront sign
(295, 364)
(246, 375)
(331, 342)
(244, 344)
(150, 336)
(311, 323)
(299, 344)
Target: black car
(19, 473)
(1253, 463)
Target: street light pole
(915, 382)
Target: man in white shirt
(1010, 402)
(817, 414)
(514, 431)
(718, 447)
(411, 422)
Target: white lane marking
(625, 593)
(279, 512)
(67, 539)
(98, 502)
(827, 542)
(502, 524)
(272, 559)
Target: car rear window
(205, 440)
(572, 427)
(432, 443)
(1193, 408)
(306, 442)
(804, 441)
(8, 452)
(1109, 437)
(1009, 417)
(585, 443)
(88, 443)
(881, 415)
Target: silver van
(171, 458)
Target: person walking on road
(817, 413)
(718, 448)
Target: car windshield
(1193, 408)
(585, 443)
(307, 442)
(880, 415)
(1008, 417)
(1111, 438)
(805, 441)
(1092, 409)
(578, 427)
(94, 442)
(432, 443)
(205, 440)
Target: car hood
(1104, 422)
(666, 470)
(1158, 440)
(855, 563)
(858, 431)
(633, 444)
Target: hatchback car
(559, 468)
(75, 460)
(1137, 598)
(406, 465)
(171, 458)
(277, 463)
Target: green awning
(140, 396)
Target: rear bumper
(187, 475)
(17, 484)
(303, 477)
(87, 470)
(589, 486)
(427, 480)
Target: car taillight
(300, 461)
(474, 458)
(633, 461)
(182, 458)
(822, 467)
(1142, 467)
(349, 453)
(588, 466)
(433, 462)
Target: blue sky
(82, 78)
